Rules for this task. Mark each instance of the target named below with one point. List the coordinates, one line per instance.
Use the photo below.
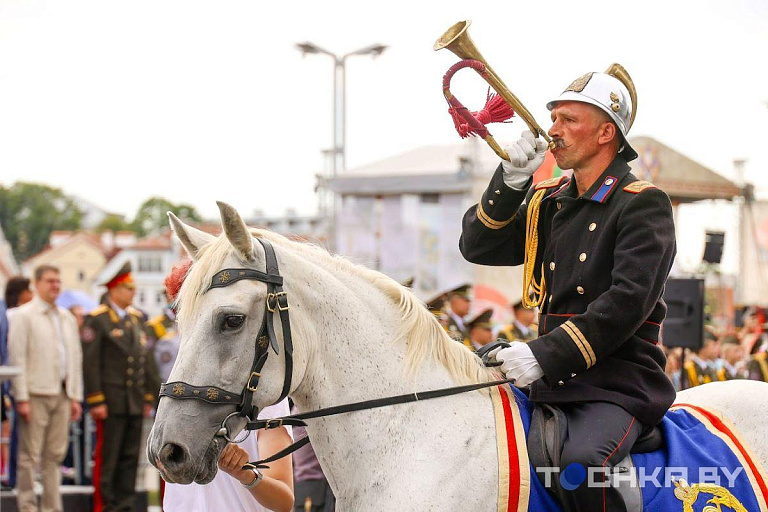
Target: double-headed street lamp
(339, 97)
(338, 152)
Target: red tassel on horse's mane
(496, 110)
(175, 278)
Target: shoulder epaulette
(638, 186)
(156, 320)
(101, 309)
(550, 183)
(134, 312)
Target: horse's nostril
(172, 454)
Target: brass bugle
(458, 41)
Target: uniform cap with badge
(122, 277)
(482, 320)
(435, 303)
(460, 291)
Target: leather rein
(277, 302)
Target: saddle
(547, 434)
(549, 428)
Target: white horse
(358, 335)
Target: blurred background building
(402, 216)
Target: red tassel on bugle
(496, 110)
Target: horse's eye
(232, 322)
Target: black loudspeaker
(713, 248)
(684, 325)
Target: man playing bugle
(597, 248)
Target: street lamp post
(339, 95)
(338, 152)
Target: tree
(152, 217)
(30, 211)
(114, 222)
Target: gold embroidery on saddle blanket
(514, 467)
(730, 436)
(721, 497)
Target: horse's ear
(191, 238)
(236, 230)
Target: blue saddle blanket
(703, 466)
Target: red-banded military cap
(123, 276)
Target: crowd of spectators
(60, 353)
(725, 354)
(736, 353)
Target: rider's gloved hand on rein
(519, 363)
(525, 156)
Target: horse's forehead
(197, 296)
(231, 260)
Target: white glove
(519, 363)
(525, 156)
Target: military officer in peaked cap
(522, 327)
(458, 304)
(596, 249)
(480, 329)
(436, 305)
(120, 386)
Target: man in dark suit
(120, 387)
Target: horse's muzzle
(176, 464)
(173, 459)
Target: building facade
(79, 257)
(402, 215)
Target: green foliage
(151, 216)
(30, 211)
(114, 222)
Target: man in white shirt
(43, 341)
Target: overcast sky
(199, 101)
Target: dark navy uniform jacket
(605, 257)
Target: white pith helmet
(612, 92)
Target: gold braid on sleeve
(536, 290)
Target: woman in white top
(237, 490)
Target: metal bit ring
(224, 431)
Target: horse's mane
(424, 334)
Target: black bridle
(277, 302)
